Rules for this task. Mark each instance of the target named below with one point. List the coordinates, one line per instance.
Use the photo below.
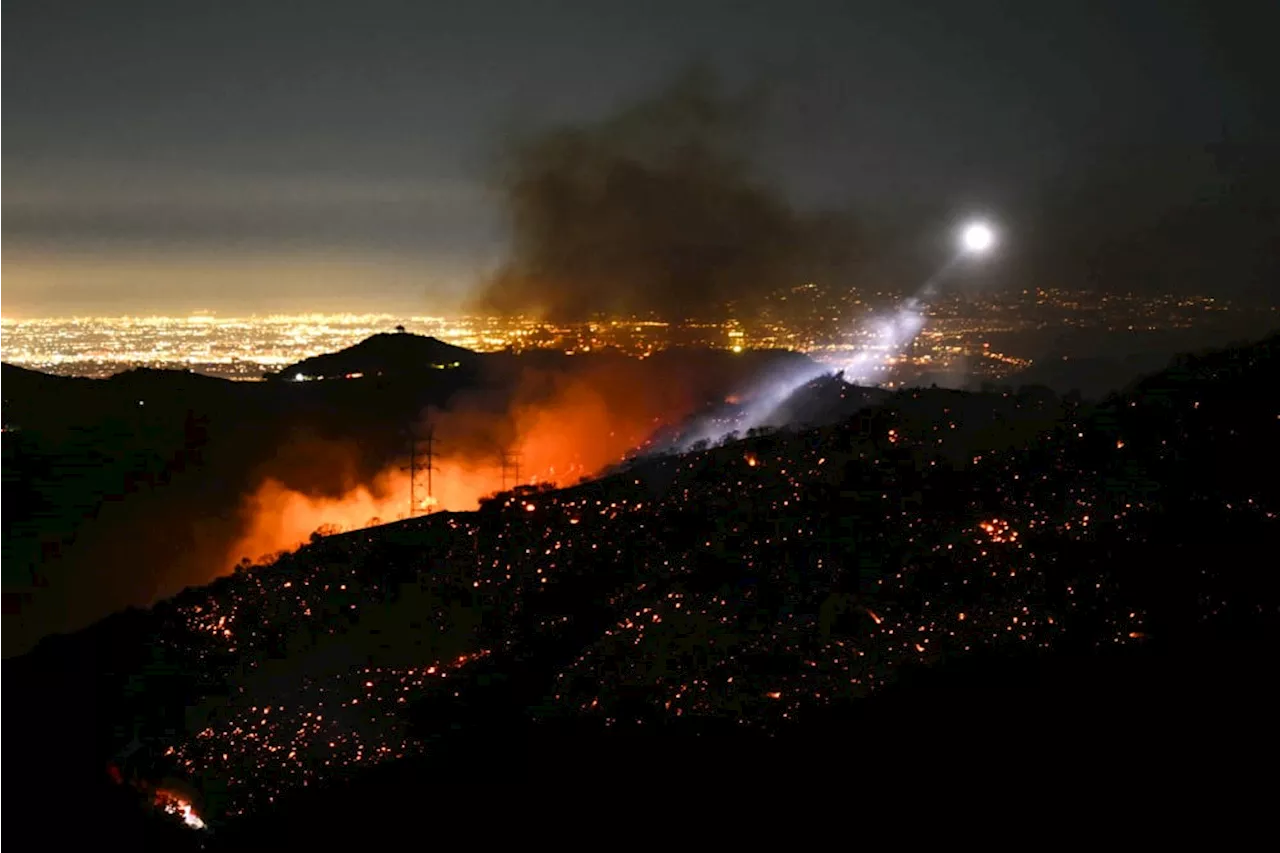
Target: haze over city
(300, 157)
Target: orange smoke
(281, 518)
(583, 428)
(562, 426)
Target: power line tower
(421, 461)
(510, 464)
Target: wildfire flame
(581, 427)
(171, 803)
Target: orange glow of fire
(176, 805)
(584, 425)
(282, 519)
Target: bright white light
(978, 238)
(298, 377)
(886, 342)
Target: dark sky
(170, 156)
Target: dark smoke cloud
(654, 210)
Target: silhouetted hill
(1013, 726)
(827, 400)
(941, 583)
(19, 383)
(168, 381)
(394, 354)
(122, 490)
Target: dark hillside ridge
(1136, 577)
(385, 354)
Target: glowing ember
(999, 531)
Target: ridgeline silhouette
(939, 579)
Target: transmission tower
(510, 463)
(421, 460)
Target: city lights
(846, 330)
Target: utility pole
(418, 462)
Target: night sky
(241, 157)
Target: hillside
(122, 491)
(25, 381)
(397, 354)
(1053, 581)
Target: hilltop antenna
(415, 466)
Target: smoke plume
(559, 423)
(653, 211)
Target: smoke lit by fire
(559, 429)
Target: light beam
(890, 335)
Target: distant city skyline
(963, 339)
